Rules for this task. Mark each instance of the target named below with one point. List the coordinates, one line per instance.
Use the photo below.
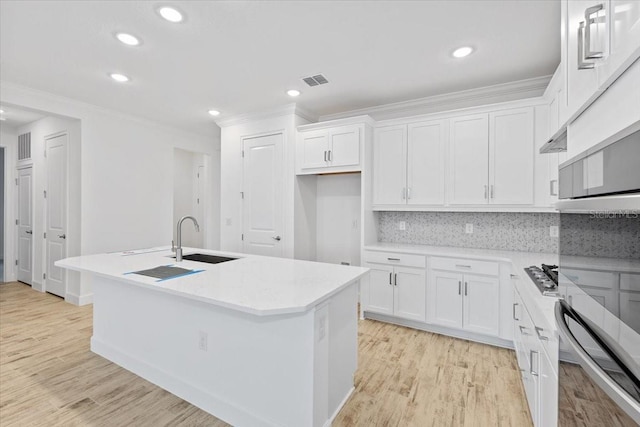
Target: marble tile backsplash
(597, 236)
(527, 232)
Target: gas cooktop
(545, 278)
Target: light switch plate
(402, 225)
(554, 231)
(468, 229)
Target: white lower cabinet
(536, 353)
(464, 301)
(397, 291)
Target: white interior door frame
(55, 223)
(24, 225)
(283, 235)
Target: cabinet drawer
(596, 279)
(465, 265)
(391, 258)
(630, 282)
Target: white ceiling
(239, 57)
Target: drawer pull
(541, 337)
(515, 304)
(393, 259)
(462, 266)
(522, 330)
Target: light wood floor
(49, 377)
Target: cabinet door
(511, 157)
(425, 163)
(380, 289)
(548, 393)
(389, 166)
(630, 309)
(445, 299)
(314, 149)
(469, 160)
(481, 304)
(410, 293)
(624, 35)
(582, 83)
(344, 146)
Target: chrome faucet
(179, 235)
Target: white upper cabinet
(332, 147)
(426, 163)
(624, 35)
(511, 149)
(389, 165)
(469, 160)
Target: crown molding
(284, 110)
(355, 120)
(529, 88)
(65, 103)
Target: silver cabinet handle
(390, 274)
(393, 259)
(462, 266)
(515, 304)
(325, 156)
(277, 238)
(62, 236)
(582, 65)
(552, 186)
(408, 193)
(486, 191)
(531, 371)
(459, 287)
(522, 330)
(541, 337)
(404, 193)
(588, 53)
(492, 192)
(330, 156)
(465, 288)
(395, 279)
(29, 231)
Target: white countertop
(252, 284)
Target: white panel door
(263, 187)
(25, 225)
(380, 289)
(344, 146)
(481, 304)
(425, 163)
(200, 196)
(511, 149)
(314, 149)
(55, 242)
(469, 160)
(548, 392)
(444, 299)
(410, 293)
(389, 165)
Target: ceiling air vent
(316, 80)
(24, 146)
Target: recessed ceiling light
(128, 39)
(214, 112)
(121, 78)
(170, 14)
(1, 111)
(293, 93)
(461, 52)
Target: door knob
(62, 236)
(277, 238)
(29, 231)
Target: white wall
(338, 218)
(185, 203)
(231, 177)
(9, 140)
(126, 173)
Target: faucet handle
(173, 246)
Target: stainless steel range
(545, 278)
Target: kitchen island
(255, 341)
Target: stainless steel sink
(210, 259)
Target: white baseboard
(204, 400)
(339, 408)
(79, 299)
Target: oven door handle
(599, 376)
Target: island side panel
(255, 371)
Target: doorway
(25, 225)
(190, 176)
(263, 198)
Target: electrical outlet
(203, 341)
(468, 229)
(228, 221)
(553, 231)
(402, 225)
(354, 224)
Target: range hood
(557, 143)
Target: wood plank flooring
(49, 377)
